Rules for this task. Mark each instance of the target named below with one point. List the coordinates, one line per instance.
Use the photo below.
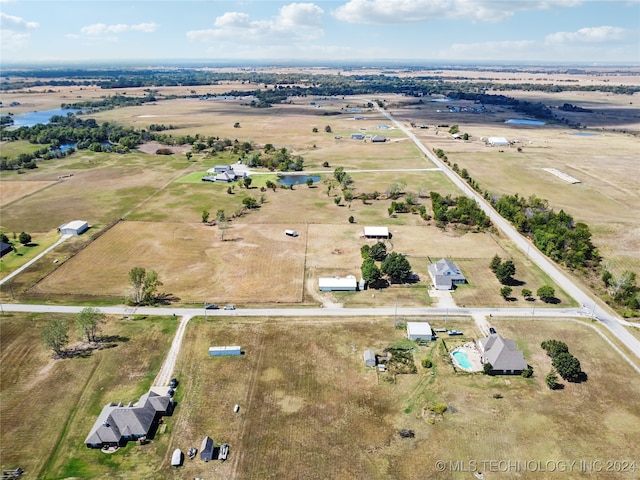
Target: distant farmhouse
(502, 354)
(117, 424)
(5, 248)
(378, 139)
(223, 173)
(445, 274)
(376, 232)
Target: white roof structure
(75, 227)
(376, 231)
(338, 283)
(498, 141)
(418, 330)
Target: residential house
(502, 354)
(445, 274)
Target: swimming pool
(461, 359)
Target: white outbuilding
(369, 358)
(419, 331)
(498, 142)
(225, 351)
(77, 227)
(332, 284)
(376, 232)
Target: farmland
(309, 407)
(302, 384)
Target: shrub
(427, 363)
(438, 408)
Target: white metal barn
(376, 232)
(498, 142)
(224, 351)
(76, 227)
(419, 331)
(330, 284)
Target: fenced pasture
(48, 406)
(253, 263)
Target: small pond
(297, 179)
(522, 121)
(584, 134)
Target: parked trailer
(291, 233)
(224, 351)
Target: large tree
(396, 267)
(370, 271)
(505, 271)
(55, 336)
(378, 251)
(89, 321)
(546, 293)
(145, 285)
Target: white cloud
(602, 34)
(296, 21)
(99, 29)
(15, 32)
(411, 11)
(16, 24)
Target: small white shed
(224, 351)
(419, 331)
(77, 227)
(176, 458)
(498, 142)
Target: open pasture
(253, 265)
(15, 190)
(310, 409)
(48, 406)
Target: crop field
(48, 406)
(12, 191)
(310, 409)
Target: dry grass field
(12, 191)
(310, 409)
(48, 406)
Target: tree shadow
(165, 298)
(514, 282)
(113, 338)
(582, 377)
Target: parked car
(224, 451)
(236, 409)
(492, 330)
(212, 306)
(229, 307)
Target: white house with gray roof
(117, 423)
(502, 354)
(445, 274)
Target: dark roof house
(445, 274)
(117, 424)
(5, 248)
(502, 354)
(206, 449)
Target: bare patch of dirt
(152, 147)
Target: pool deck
(472, 354)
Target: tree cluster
(394, 266)
(567, 366)
(462, 210)
(622, 289)
(504, 271)
(144, 286)
(554, 234)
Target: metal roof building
(376, 232)
(329, 284)
(419, 331)
(76, 227)
(225, 351)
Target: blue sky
(528, 31)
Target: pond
(34, 118)
(297, 179)
(66, 146)
(522, 121)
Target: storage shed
(376, 232)
(369, 358)
(498, 142)
(331, 284)
(419, 331)
(206, 449)
(77, 227)
(224, 351)
(176, 458)
(5, 248)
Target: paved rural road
(605, 317)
